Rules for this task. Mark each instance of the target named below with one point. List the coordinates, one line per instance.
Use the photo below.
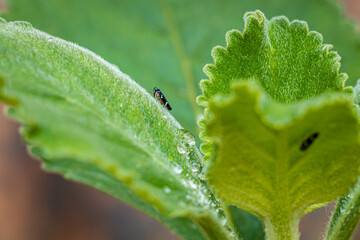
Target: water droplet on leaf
(187, 138)
(187, 143)
(178, 169)
(22, 24)
(181, 149)
(192, 185)
(167, 189)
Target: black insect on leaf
(160, 96)
(308, 141)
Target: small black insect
(307, 142)
(160, 96)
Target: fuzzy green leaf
(346, 216)
(170, 40)
(280, 135)
(289, 62)
(268, 163)
(89, 121)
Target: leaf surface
(88, 120)
(170, 41)
(346, 215)
(289, 63)
(284, 140)
(268, 162)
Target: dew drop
(181, 149)
(22, 24)
(193, 185)
(201, 198)
(223, 221)
(202, 176)
(350, 195)
(187, 138)
(177, 168)
(50, 39)
(187, 143)
(343, 211)
(167, 189)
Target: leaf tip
(209, 70)
(201, 100)
(233, 37)
(218, 53)
(257, 15)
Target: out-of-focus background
(36, 205)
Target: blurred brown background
(35, 205)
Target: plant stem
(346, 216)
(282, 227)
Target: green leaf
(278, 136)
(89, 174)
(170, 41)
(267, 161)
(89, 121)
(289, 62)
(346, 216)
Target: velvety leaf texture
(89, 121)
(284, 139)
(86, 118)
(288, 61)
(170, 40)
